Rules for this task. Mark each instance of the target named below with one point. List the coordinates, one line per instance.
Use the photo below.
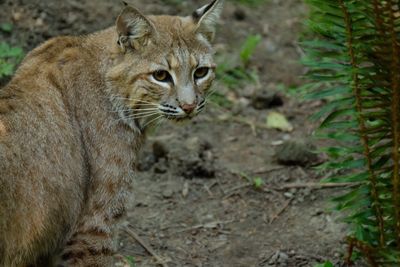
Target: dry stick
(281, 210)
(149, 249)
(263, 171)
(316, 185)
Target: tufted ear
(133, 28)
(207, 18)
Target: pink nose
(188, 108)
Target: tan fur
(71, 123)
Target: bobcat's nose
(188, 108)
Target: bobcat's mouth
(178, 114)
(179, 118)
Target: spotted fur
(72, 120)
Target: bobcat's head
(164, 65)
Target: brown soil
(193, 204)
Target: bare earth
(193, 205)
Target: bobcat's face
(177, 73)
(165, 67)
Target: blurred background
(235, 186)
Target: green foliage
(258, 182)
(249, 47)
(236, 71)
(6, 27)
(354, 65)
(131, 260)
(325, 264)
(9, 58)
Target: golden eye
(162, 76)
(201, 72)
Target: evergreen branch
(358, 106)
(395, 85)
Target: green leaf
(325, 264)
(6, 27)
(258, 182)
(249, 47)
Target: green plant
(354, 64)
(325, 264)
(248, 48)
(9, 58)
(258, 182)
(236, 71)
(131, 260)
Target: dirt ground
(195, 202)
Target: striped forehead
(181, 58)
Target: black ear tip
(196, 15)
(125, 3)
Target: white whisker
(155, 119)
(140, 116)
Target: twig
(268, 170)
(149, 249)
(316, 185)
(281, 211)
(231, 191)
(253, 125)
(209, 225)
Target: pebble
(161, 166)
(167, 192)
(283, 257)
(270, 46)
(185, 189)
(288, 195)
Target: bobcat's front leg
(91, 244)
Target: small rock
(288, 194)
(283, 257)
(39, 22)
(266, 99)
(207, 155)
(266, 29)
(296, 153)
(161, 166)
(185, 190)
(159, 150)
(293, 190)
(168, 192)
(270, 45)
(16, 16)
(160, 169)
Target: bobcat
(72, 120)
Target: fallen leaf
(276, 120)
